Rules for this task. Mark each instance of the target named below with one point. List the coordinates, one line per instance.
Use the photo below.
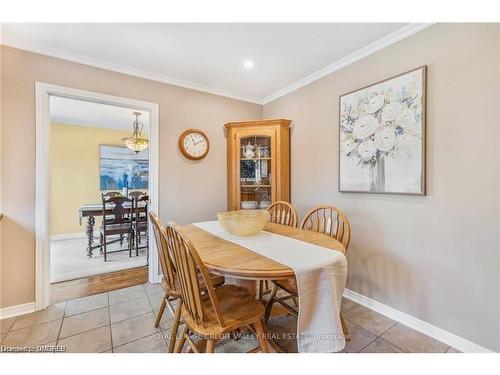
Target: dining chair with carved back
(218, 311)
(137, 194)
(170, 280)
(116, 223)
(323, 219)
(140, 223)
(283, 213)
(106, 196)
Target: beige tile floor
(122, 321)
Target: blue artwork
(121, 167)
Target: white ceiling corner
(209, 57)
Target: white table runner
(321, 275)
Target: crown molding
(370, 49)
(15, 43)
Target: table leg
(251, 285)
(89, 231)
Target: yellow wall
(74, 180)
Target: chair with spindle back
(217, 312)
(170, 281)
(283, 213)
(328, 220)
(323, 219)
(119, 224)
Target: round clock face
(193, 144)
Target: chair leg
(137, 245)
(210, 346)
(259, 331)
(182, 340)
(104, 247)
(130, 241)
(270, 303)
(175, 327)
(161, 310)
(100, 243)
(147, 247)
(121, 240)
(344, 328)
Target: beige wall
(181, 197)
(74, 172)
(434, 257)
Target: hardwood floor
(97, 284)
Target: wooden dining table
(245, 267)
(91, 211)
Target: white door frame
(42, 241)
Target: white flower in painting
(348, 145)
(375, 103)
(385, 139)
(391, 111)
(365, 127)
(405, 119)
(408, 144)
(367, 150)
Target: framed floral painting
(382, 136)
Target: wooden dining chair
(217, 312)
(283, 213)
(118, 224)
(170, 281)
(328, 220)
(111, 194)
(136, 194)
(140, 224)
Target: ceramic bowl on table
(243, 223)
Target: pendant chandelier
(136, 142)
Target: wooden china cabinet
(258, 163)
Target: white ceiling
(209, 57)
(83, 113)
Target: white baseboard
(437, 333)
(11, 311)
(67, 236)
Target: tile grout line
(110, 330)
(62, 321)
(139, 337)
(378, 337)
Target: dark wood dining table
(91, 211)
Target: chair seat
(141, 225)
(111, 229)
(289, 285)
(237, 305)
(216, 282)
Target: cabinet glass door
(255, 172)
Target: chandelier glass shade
(136, 142)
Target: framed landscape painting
(120, 167)
(382, 136)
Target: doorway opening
(89, 164)
(94, 188)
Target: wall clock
(193, 144)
